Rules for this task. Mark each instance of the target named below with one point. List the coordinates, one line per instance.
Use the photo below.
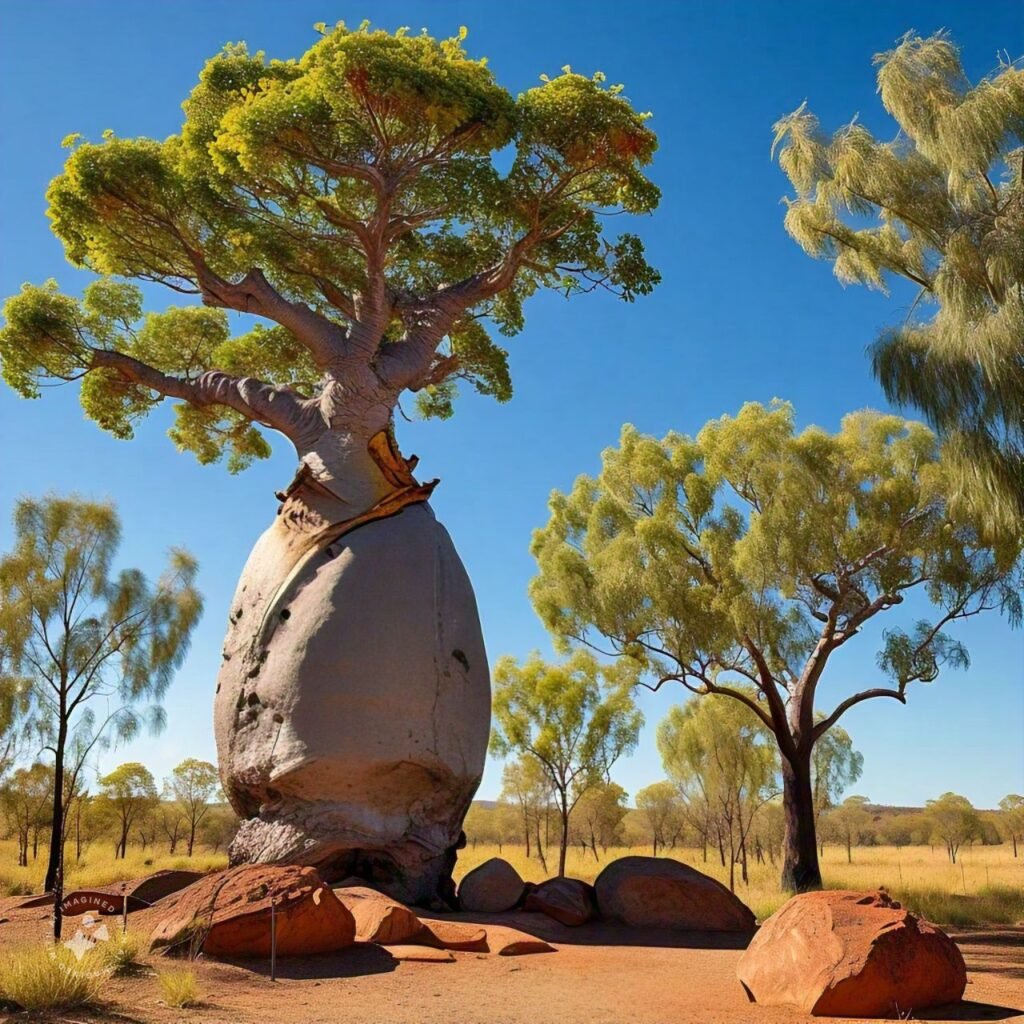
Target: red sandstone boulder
(657, 892)
(512, 942)
(568, 900)
(228, 914)
(421, 954)
(379, 918)
(851, 954)
(491, 888)
(466, 938)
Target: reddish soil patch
(601, 974)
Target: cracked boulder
(851, 954)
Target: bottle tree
(382, 206)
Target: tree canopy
(382, 201)
(940, 205)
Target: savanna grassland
(985, 886)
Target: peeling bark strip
(408, 491)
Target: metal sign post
(273, 941)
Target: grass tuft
(179, 988)
(119, 954)
(44, 977)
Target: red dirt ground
(600, 975)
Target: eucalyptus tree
(660, 809)
(848, 822)
(1011, 818)
(525, 786)
(98, 648)
(575, 720)
(940, 205)
(597, 817)
(383, 207)
(747, 556)
(725, 764)
(194, 787)
(127, 794)
(954, 820)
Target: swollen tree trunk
(800, 870)
(353, 702)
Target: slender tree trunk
(563, 846)
(191, 837)
(849, 851)
(1014, 838)
(800, 869)
(540, 848)
(721, 846)
(57, 822)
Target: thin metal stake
(273, 941)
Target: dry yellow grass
(97, 867)
(985, 886)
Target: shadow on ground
(598, 933)
(353, 962)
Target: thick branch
(823, 726)
(325, 340)
(277, 407)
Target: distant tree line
(125, 809)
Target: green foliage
(954, 821)
(690, 554)
(119, 954)
(359, 196)
(835, 765)
(114, 640)
(574, 720)
(660, 810)
(941, 205)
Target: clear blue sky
(742, 314)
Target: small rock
(378, 918)
(421, 954)
(491, 888)
(568, 900)
(506, 941)
(466, 938)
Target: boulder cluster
(831, 954)
(228, 913)
(639, 892)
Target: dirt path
(656, 978)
